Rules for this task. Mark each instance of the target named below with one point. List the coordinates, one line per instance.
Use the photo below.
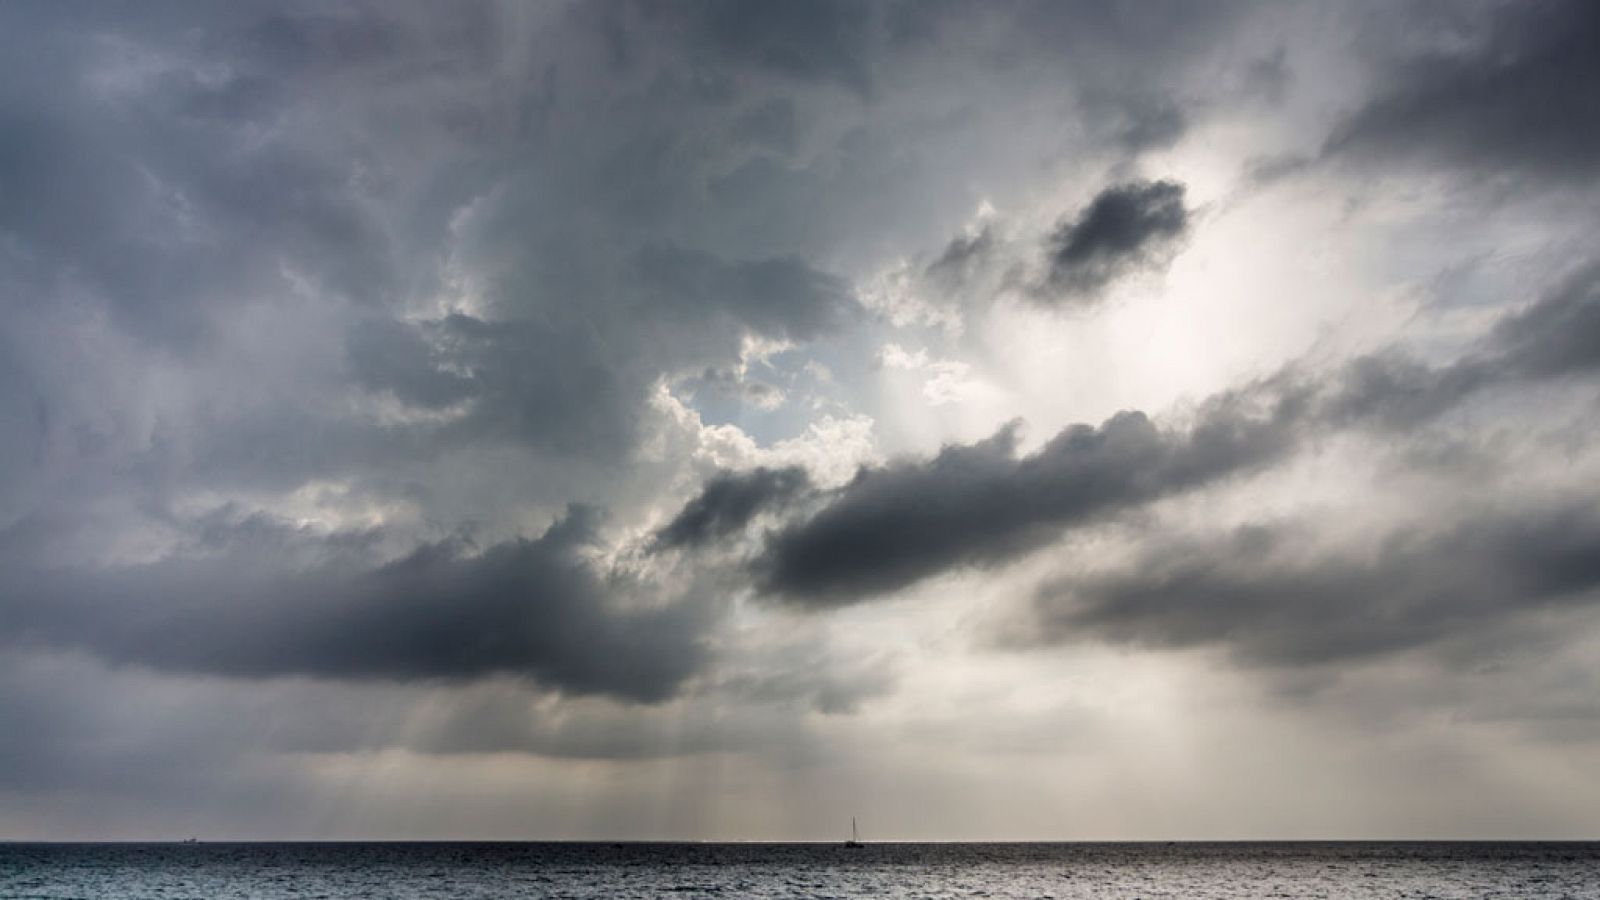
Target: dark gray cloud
(1127, 227)
(531, 608)
(729, 502)
(980, 504)
(1395, 391)
(1272, 596)
(1507, 88)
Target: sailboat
(854, 841)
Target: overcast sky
(713, 420)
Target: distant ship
(854, 842)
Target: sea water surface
(216, 871)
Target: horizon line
(806, 842)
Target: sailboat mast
(853, 835)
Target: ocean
(461, 871)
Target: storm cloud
(729, 502)
(981, 505)
(530, 608)
(1125, 228)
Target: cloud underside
(534, 609)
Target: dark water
(928, 871)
